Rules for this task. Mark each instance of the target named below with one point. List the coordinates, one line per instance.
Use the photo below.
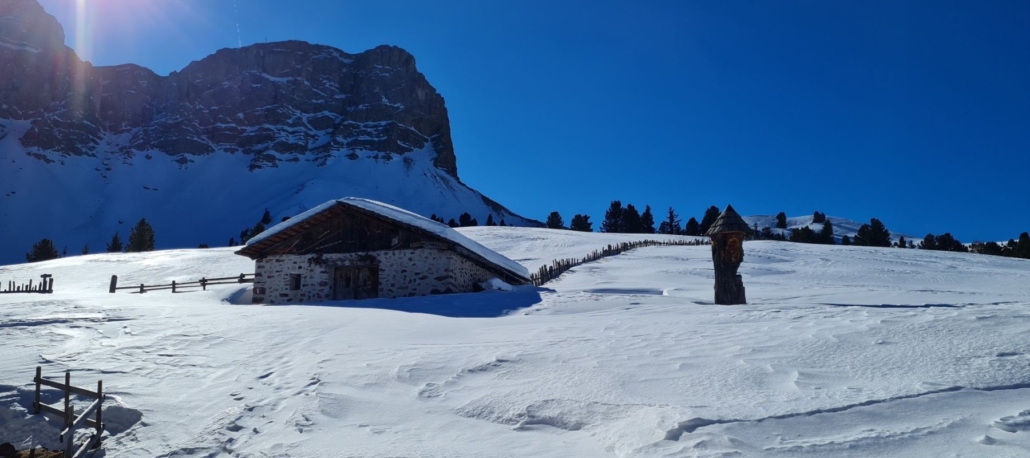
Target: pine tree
(85, 249)
(845, 240)
(232, 241)
(141, 237)
(490, 220)
(202, 245)
(502, 222)
(612, 218)
(710, 216)
(693, 227)
(929, 242)
(873, 234)
(989, 248)
(671, 225)
(647, 221)
(804, 234)
(257, 229)
(581, 223)
(630, 220)
(826, 234)
(115, 245)
(452, 223)
(947, 242)
(266, 219)
(555, 221)
(781, 220)
(818, 217)
(1022, 249)
(43, 250)
(466, 220)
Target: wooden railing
(67, 415)
(557, 267)
(45, 286)
(178, 287)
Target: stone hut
(354, 248)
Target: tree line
(622, 219)
(141, 238)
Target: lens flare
(82, 46)
(103, 24)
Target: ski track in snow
(842, 351)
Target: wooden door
(356, 283)
(344, 284)
(367, 283)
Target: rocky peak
(285, 101)
(24, 23)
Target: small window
(294, 282)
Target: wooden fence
(67, 415)
(45, 286)
(557, 267)
(177, 287)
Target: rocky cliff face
(274, 102)
(87, 151)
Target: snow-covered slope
(842, 351)
(212, 199)
(841, 226)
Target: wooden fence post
(114, 283)
(203, 283)
(67, 398)
(35, 403)
(69, 418)
(173, 286)
(142, 289)
(100, 408)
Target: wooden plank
(82, 416)
(47, 409)
(58, 414)
(73, 389)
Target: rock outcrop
(285, 101)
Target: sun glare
(122, 22)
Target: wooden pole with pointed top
(727, 233)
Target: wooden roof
(262, 246)
(728, 221)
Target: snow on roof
(406, 217)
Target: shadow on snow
(486, 304)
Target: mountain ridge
(87, 150)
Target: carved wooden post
(727, 233)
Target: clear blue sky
(914, 112)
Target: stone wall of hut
(402, 273)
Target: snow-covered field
(842, 351)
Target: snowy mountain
(86, 151)
(841, 351)
(841, 226)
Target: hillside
(842, 351)
(841, 226)
(86, 151)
